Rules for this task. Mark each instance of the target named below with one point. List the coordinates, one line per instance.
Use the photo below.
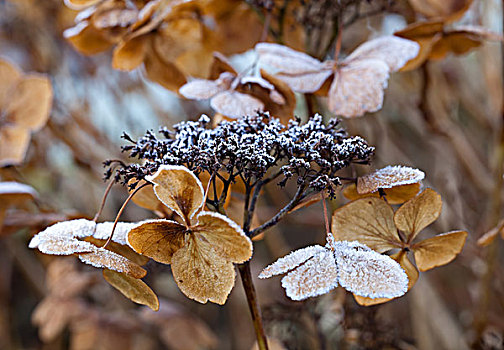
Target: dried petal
(394, 195)
(367, 273)
(358, 88)
(103, 258)
(367, 220)
(393, 51)
(146, 198)
(87, 39)
(448, 10)
(388, 177)
(9, 76)
(291, 261)
(134, 289)
(411, 271)
(235, 105)
(14, 142)
(128, 55)
(201, 273)
(179, 189)
(104, 229)
(157, 239)
(419, 212)
(163, 72)
(201, 89)
(438, 250)
(225, 236)
(316, 276)
(12, 193)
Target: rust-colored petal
(225, 236)
(418, 213)
(132, 288)
(179, 189)
(367, 220)
(438, 250)
(201, 273)
(157, 239)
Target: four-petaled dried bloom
(202, 249)
(315, 270)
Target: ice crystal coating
(67, 238)
(12, 187)
(388, 177)
(315, 270)
(310, 152)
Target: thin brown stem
(121, 211)
(104, 199)
(253, 304)
(326, 217)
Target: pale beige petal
(132, 288)
(438, 250)
(201, 274)
(287, 60)
(358, 88)
(418, 213)
(157, 239)
(224, 235)
(179, 189)
(291, 261)
(235, 105)
(200, 89)
(307, 82)
(393, 51)
(369, 221)
(315, 277)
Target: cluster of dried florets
(248, 148)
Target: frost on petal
(103, 258)
(179, 189)
(291, 261)
(315, 277)
(393, 51)
(225, 236)
(367, 273)
(60, 238)
(388, 177)
(8, 188)
(234, 104)
(104, 229)
(307, 82)
(358, 88)
(55, 245)
(201, 274)
(394, 195)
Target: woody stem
(253, 304)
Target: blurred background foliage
(445, 118)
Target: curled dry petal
(418, 213)
(157, 239)
(225, 236)
(316, 276)
(369, 221)
(179, 189)
(439, 250)
(370, 274)
(388, 177)
(201, 273)
(291, 261)
(394, 195)
(134, 289)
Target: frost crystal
(316, 270)
(389, 177)
(311, 152)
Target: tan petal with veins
(439, 250)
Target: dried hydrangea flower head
(201, 249)
(311, 153)
(397, 184)
(372, 221)
(316, 270)
(358, 81)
